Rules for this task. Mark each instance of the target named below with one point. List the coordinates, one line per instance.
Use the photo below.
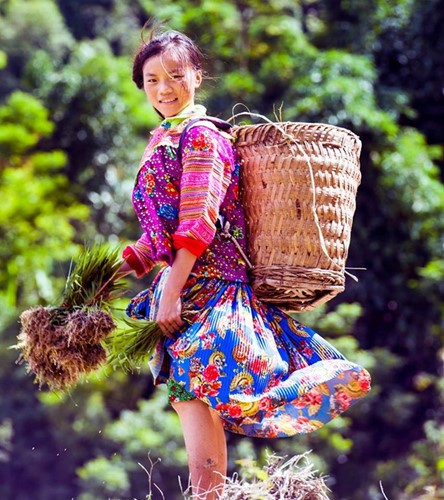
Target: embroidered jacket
(178, 205)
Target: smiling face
(170, 84)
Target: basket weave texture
(299, 185)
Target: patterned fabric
(177, 205)
(266, 374)
(176, 393)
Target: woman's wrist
(171, 290)
(180, 270)
(124, 270)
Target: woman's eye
(177, 77)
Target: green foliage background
(72, 128)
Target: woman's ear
(197, 78)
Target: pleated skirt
(266, 374)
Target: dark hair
(173, 41)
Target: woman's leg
(206, 448)
(221, 443)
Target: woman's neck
(190, 110)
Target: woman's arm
(207, 163)
(205, 177)
(170, 308)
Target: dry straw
(280, 479)
(284, 479)
(299, 185)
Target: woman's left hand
(170, 306)
(169, 315)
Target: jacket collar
(193, 110)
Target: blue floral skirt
(265, 373)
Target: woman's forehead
(168, 61)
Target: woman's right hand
(124, 270)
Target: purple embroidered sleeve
(138, 256)
(206, 160)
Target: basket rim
(288, 122)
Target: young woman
(235, 363)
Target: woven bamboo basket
(299, 184)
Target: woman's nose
(165, 87)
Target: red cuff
(196, 247)
(130, 255)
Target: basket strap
(220, 124)
(223, 228)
